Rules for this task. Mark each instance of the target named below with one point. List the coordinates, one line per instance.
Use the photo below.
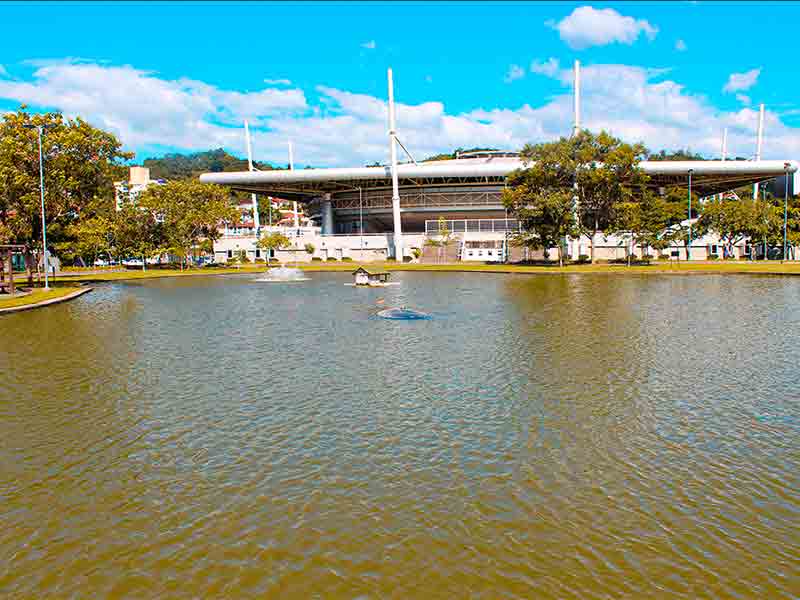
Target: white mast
(253, 199)
(725, 143)
(294, 204)
(759, 142)
(398, 231)
(576, 95)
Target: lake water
(556, 436)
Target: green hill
(187, 166)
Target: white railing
(432, 227)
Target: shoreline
(70, 295)
(699, 268)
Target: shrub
(713, 257)
(332, 258)
(407, 259)
(391, 259)
(260, 260)
(347, 258)
(316, 258)
(648, 257)
(583, 258)
(416, 252)
(663, 256)
(310, 248)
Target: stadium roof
(708, 176)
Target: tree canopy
(80, 164)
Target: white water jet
(283, 275)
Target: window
(230, 253)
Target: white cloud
(278, 81)
(744, 99)
(514, 72)
(680, 46)
(742, 81)
(549, 67)
(588, 26)
(3, 72)
(370, 45)
(347, 128)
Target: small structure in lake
(364, 277)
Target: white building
(138, 181)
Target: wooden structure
(7, 268)
(364, 277)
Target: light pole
(45, 255)
(785, 208)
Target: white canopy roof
(708, 177)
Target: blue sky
(183, 76)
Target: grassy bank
(711, 267)
(36, 296)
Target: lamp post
(785, 208)
(45, 255)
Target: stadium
(397, 205)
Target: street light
(45, 261)
(785, 207)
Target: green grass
(37, 295)
(711, 267)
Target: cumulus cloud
(742, 81)
(550, 67)
(278, 81)
(588, 26)
(514, 72)
(680, 46)
(370, 45)
(744, 99)
(343, 128)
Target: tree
(607, 173)
(731, 220)
(188, 211)
(274, 241)
(309, 248)
(443, 240)
(81, 163)
(137, 233)
(645, 221)
(546, 214)
(91, 238)
(596, 170)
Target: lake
(549, 436)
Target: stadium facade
(395, 207)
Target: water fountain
(283, 274)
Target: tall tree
(598, 171)
(189, 211)
(80, 165)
